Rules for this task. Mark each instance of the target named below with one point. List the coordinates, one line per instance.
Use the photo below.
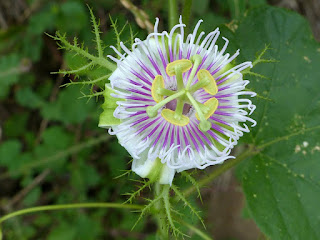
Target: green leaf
(201, 7)
(63, 232)
(10, 69)
(42, 20)
(282, 182)
(16, 125)
(75, 11)
(69, 108)
(32, 197)
(237, 8)
(9, 151)
(54, 139)
(27, 98)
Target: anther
(205, 76)
(184, 65)
(170, 116)
(157, 84)
(210, 107)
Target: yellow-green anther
(157, 84)
(211, 106)
(184, 64)
(204, 125)
(196, 59)
(153, 110)
(169, 115)
(205, 75)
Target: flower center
(173, 105)
(178, 103)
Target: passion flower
(177, 103)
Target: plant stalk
(68, 206)
(160, 215)
(173, 13)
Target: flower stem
(173, 13)
(68, 206)
(160, 214)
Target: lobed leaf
(282, 182)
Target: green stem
(220, 170)
(97, 60)
(165, 92)
(85, 67)
(196, 59)
(97, 33)
(196, 230)
(198, 85)
(196, 106)
(165, 192)
(160, 214)
(179, 109)
(179, 77)
(68, 206)
(173, 13)
(186, 12)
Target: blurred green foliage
(52, 132)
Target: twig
(141, 16)
(37, 181)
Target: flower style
(177, 104)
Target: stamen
(184, 64)
(204, 125)
(196, 59)
(157, 84)
(169, 115)
(153, 110)
(212, 105)
(205, 76)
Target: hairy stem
(196, 231)
(160, 214)
(68, 206)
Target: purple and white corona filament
(180, 102)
